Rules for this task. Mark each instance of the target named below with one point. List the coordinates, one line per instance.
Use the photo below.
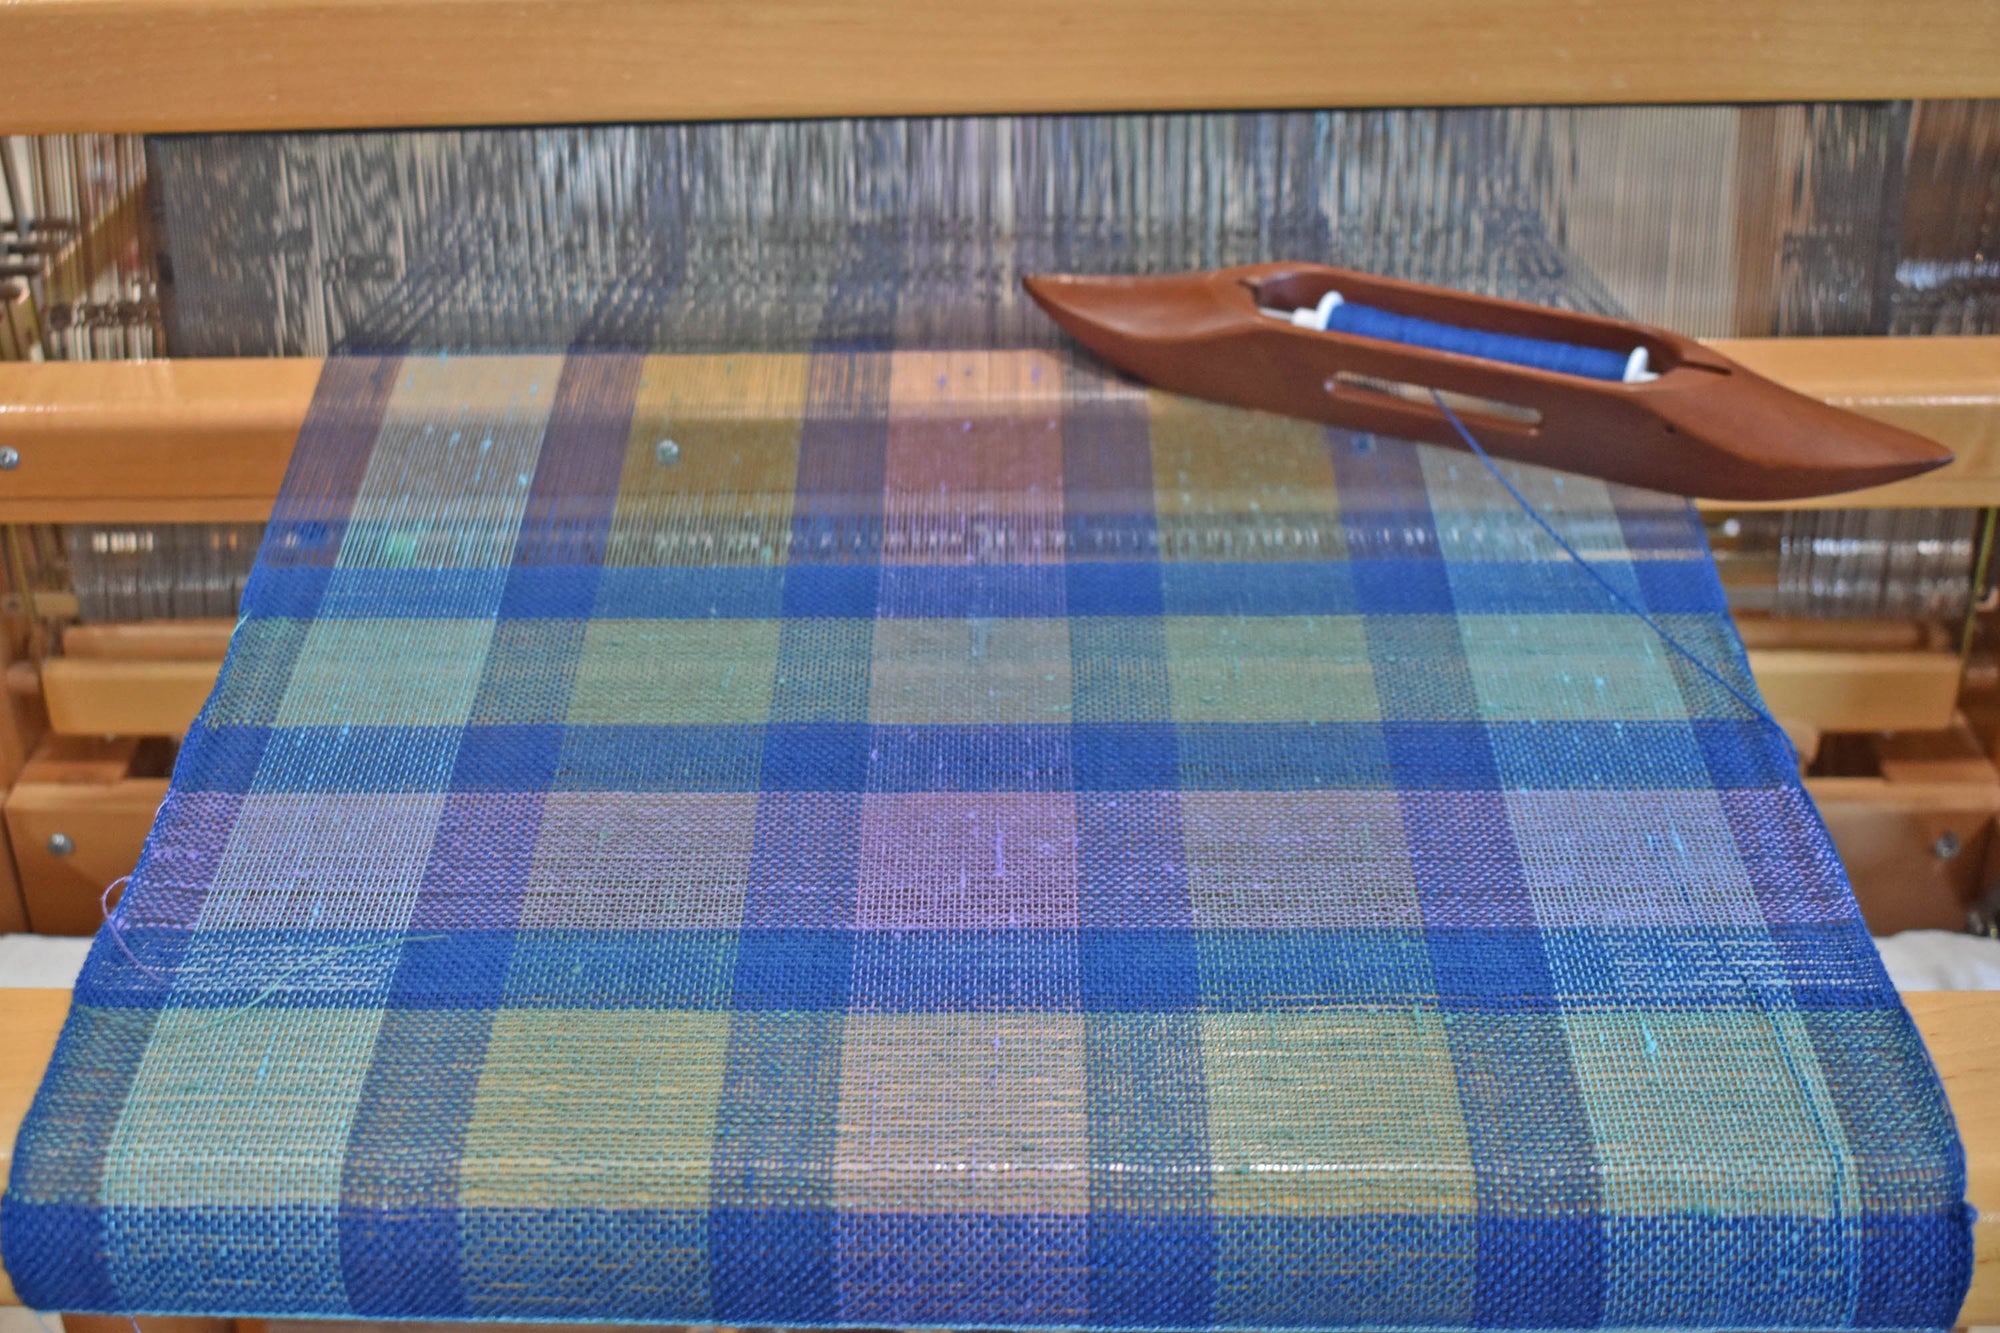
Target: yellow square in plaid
(1669, 1095)
(962, 1113)
(248, 1105)
(1349, 1112)
(675, 672)
(1209, 459)
(973, 672)
(595, 1109)
(386, 673)
(1570, 669)
(1270, 669)
(712, 462)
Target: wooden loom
(208, 441)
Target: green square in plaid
(825, 665)
(1354, 1111)
(448, 477)
(248, 1105)
(251, 692)
(1582, 509)
(667, 672)
(1120, 670)
(530, 668)
(1672, 1095)
(970, 672)
(1270, 669)
(386, 673)
(1570, 668)
(595, 1109)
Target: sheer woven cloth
(946, 839)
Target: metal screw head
(60, 845)
(10, 458)
(666, 453)
(1945, 847)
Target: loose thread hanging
(118, 935)
(233, 1012)
(1617, 594)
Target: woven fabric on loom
(953, 840)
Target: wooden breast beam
(208, 441)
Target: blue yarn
(1567, 358)
(1528, 508)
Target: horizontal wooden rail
(1962, 1029)
(89, 696)
(149, 441)
(207, 441)
(1852, 691)
(1946, 388)
(173, 65)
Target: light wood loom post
(21, 726)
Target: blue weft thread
(1616, 594)
(1566, 358)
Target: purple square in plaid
(960, 841)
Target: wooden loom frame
(114, 443)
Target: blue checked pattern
(958, 841)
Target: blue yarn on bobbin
(1566, 358)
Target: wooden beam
(92, 696)
(149, 441)
(193, 640)
(1851, 691)
(1946, 388)
(176, 65)
(208, 440)
(1962, 1029)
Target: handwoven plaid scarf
(897, 838)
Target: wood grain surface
(171, 65)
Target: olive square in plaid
(951, 839)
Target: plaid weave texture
(948, 839)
